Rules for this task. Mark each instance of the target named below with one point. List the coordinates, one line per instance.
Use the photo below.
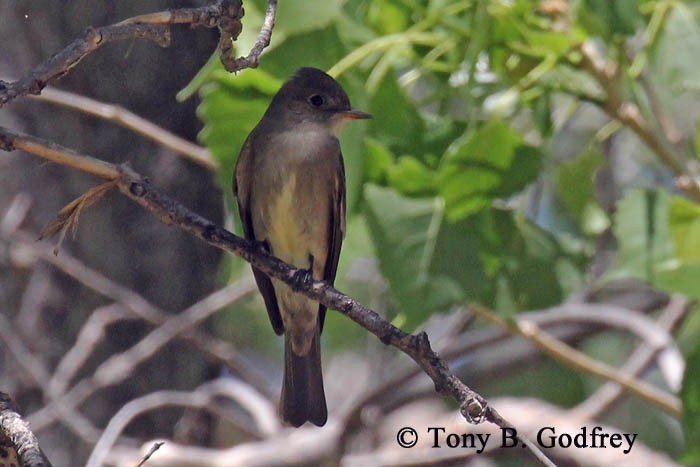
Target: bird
(289, 183)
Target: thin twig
(121, 116)
(150, 452)
(214, 348)
(61, 155)
(263, 413)
(36, 370)
(608, 394)
(118, 367)
(572, 357)
(608, 77)
(263, 40)
(569, 313)
(91, 335)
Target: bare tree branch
(117, 368)
(572, 357)
(310, 446)
(17, 431)
(608, 394)
(628, 113)
(264, 414)
(157, 445)
(38, 372)
(253, 58)
(121, 116)
(214, 348)
(226, 14)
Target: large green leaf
(410, 176)
(301, 16)
(292, 19)
(528, 266)
(430, 264)
(493, 162)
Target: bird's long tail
(303, 397)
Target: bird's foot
(258, 246)
(303, 277)
(301, 280)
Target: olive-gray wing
(336, 229)
(242, 181)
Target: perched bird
(290, 186)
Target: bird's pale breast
(295, 222)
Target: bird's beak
(354, 114)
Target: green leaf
(611, 18)
(353, 146)
(231, 107)
(678, 277)
(531, 268)
(410, 176)
(574, 181)
(396, 121)
(378, 160)
(524, 169)
(681, 273)
(492, 162)
(572, 81)
(302, 16)
(319, 48)
(493, 144)
(684, 223)
(544, 43)
(690, 395)
(429, 263)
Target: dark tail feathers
(303, 397)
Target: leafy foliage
(491, 170)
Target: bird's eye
(316, 100)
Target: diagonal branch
(608, 77)
(121, 116)
(576, 359)
(473, 406)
